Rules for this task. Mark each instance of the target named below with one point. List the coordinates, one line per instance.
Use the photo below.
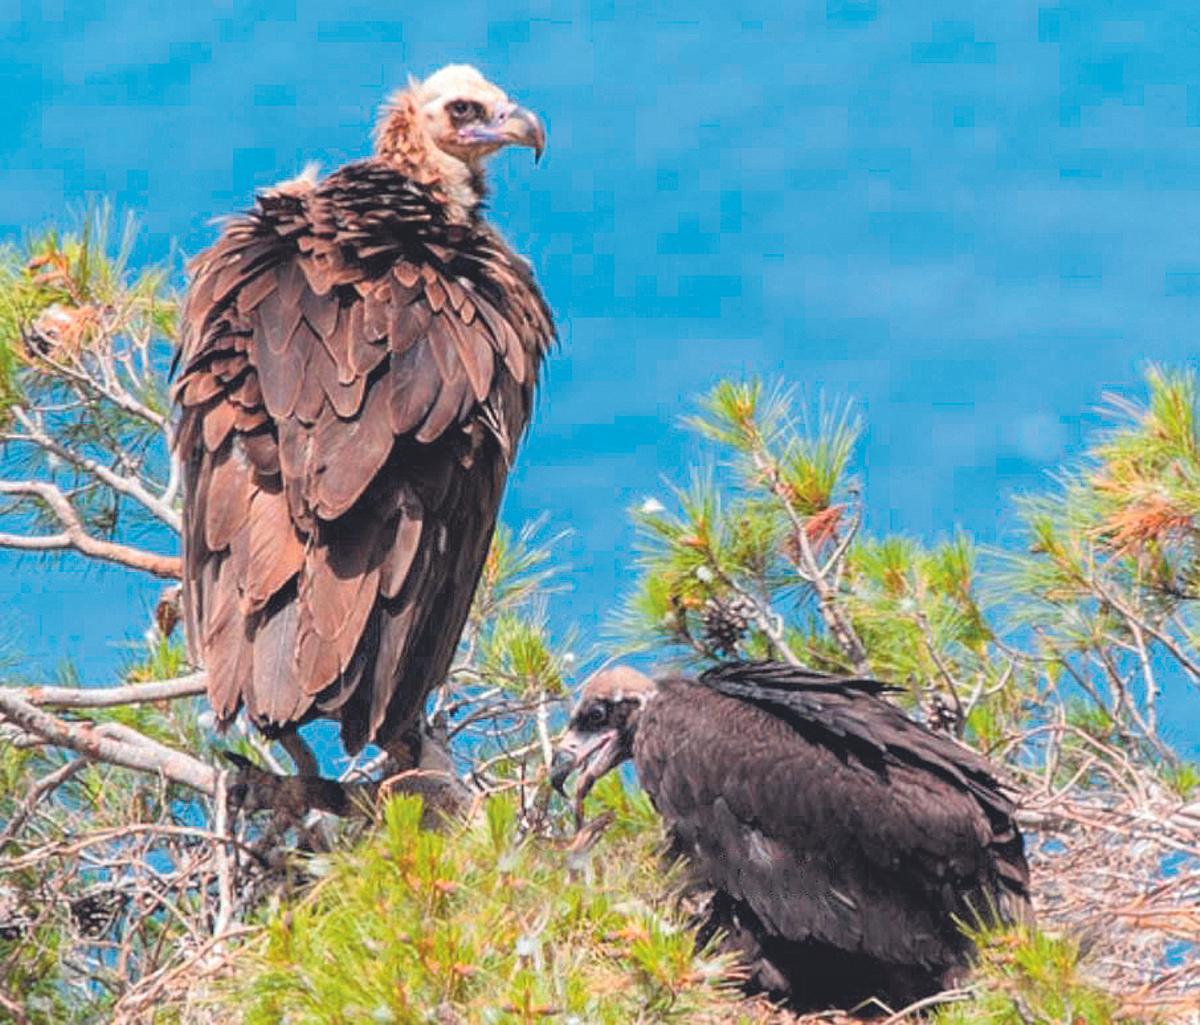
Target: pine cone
(94, 912)
(15, 918)
(169, 610)
(940, 715)
(725, 622)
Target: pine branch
(110, 697)
(130, 487)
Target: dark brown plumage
(842, 842)
(357, 364)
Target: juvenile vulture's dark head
(600, 734)
(441, 130)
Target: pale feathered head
(455, 113)
(440, 131)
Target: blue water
(972, 217)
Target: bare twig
(543, 730)
(75, 536)
(1164, 638)
(767, 620)
(949, 996)
(224, 863)
(960, 710)
(811, 570)
(108, 390)
(130, 487)
(42, 789)
(14, 1008)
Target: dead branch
(109, 742)
(1115, 858)
(13, 1008)
(949, 996)
(141, 997)
(42, 789)
(62, 848)
(110, 697)
(75, 536)
(110, 390)
(130, 487)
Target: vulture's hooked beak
(512, 126)
(592, 756)
(560, 770)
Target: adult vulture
(357, 365)
(842, 843)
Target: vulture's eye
(595, 716)
(463, 110)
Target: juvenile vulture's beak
(512, 126)
(561, 768)
(592, 754)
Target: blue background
(973, 218)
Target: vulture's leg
(300, 753)
(419, 762)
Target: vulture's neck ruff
(401, 140)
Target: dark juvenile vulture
(357, 365)
(842, 843)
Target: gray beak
(512, 126)
(561, 768)
(591, 754)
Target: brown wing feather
(413, 386)
(402, 548)
(346, 455)
(275, 548)
(228, 500)
(342, 366)
(272, 695)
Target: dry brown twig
(1116, 863)
(75, 535)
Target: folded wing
(354, 376)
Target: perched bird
(357, 364)
(842, 844)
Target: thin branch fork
(42, 789)
(11, 1006)
(1131, 616)
(768, 621)
(114, 393)
(960, 710)
(827, 597)
(64, 848)
(811, 570)
(75, 536)
(130, 487)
